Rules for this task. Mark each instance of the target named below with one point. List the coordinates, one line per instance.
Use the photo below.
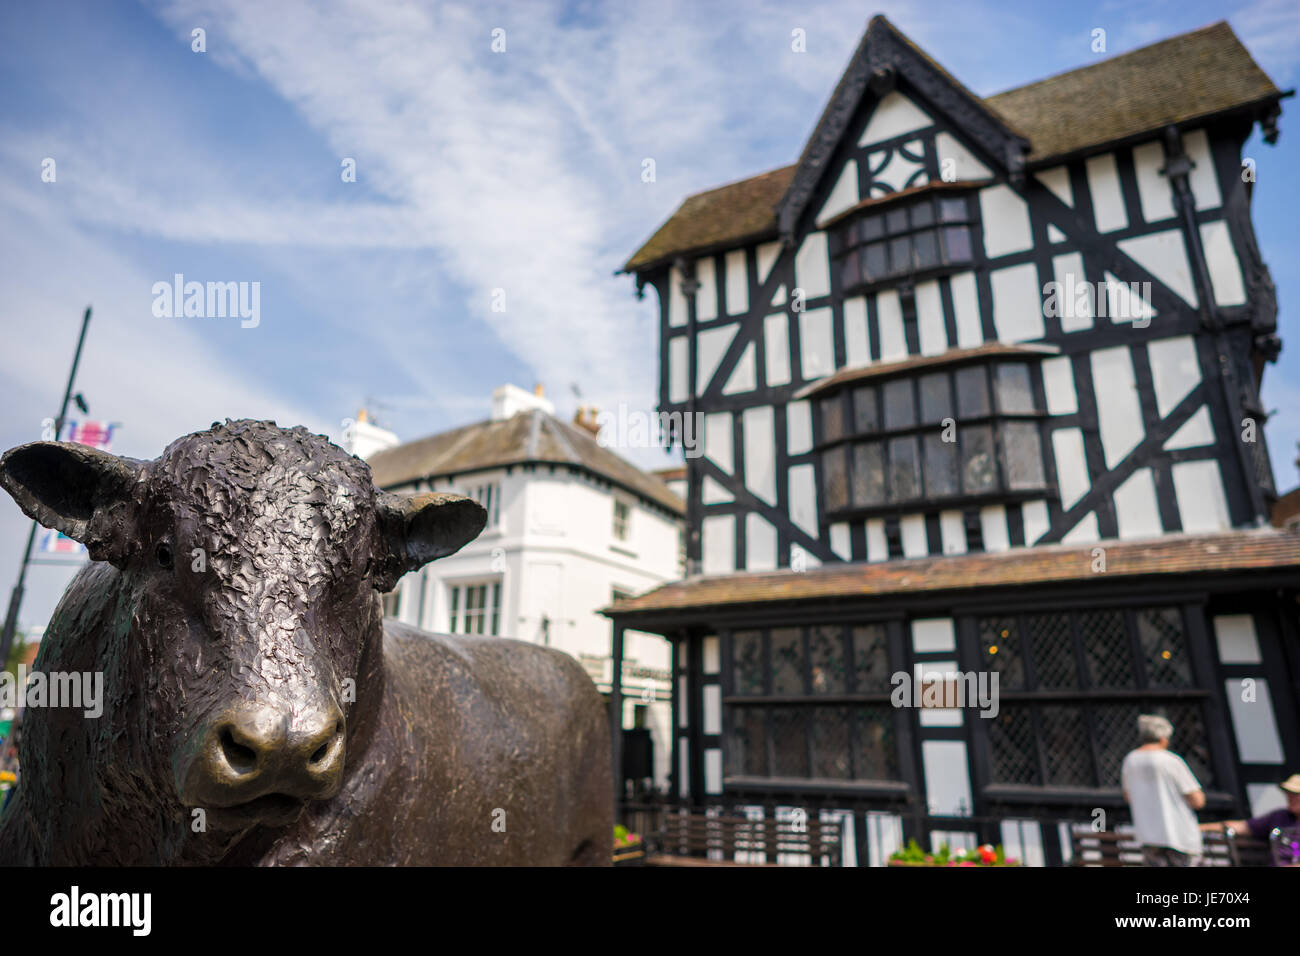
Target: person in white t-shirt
(1163, 794)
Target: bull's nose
(261, 750)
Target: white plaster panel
(718, 545)
(760, 543)
(1071, 465)
(966, 310)
(889, 319)
(812, 270)
(911, 529)
(719, 441)
(1107, 195)
(1017, 305)
(1006, 221)
(816, 344)
(857, 344)
(760, 452)
(894, 115)
(1236, 639)
(798, 427)
(1224, 266)
(776, 348)
(802, 486)
(929, 318)
(1136, 511)
(1201, 501)
(1119, 412)
(737, 283)
(706, 297)
(952, 532)
(1175, 370)
(993, 528)
(1058, 385)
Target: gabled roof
(1171, 554)
(1200, 74)
(528, 437)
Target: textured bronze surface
(257, 708)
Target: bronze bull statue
(257, 708)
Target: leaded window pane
(1164, 647)
(952, 210)
(1052, 648)
(1015, 394)
(941, 466)
(904, 470)
(1012, 754)
(790, 742)
(1106, 649)
(897, 220)
(1022, 456)
(830, 733)
(835, 479)
(972, 392)
(747, 663)
(746, 742)
(851, 273)
(829, 666)
(871, 227)
(979, 472)
(1002, 650)
(925, 249)
(900, 410)
(1115, 734)
(956, 244)
(875, 264)
(871, 671)
(787, 661)
(1190, 740)
(936, 399)
(900, 254)
(868, 474)
(1066, 748)
(832, 418)
(864, 410)
(875, 756)
(922, 215)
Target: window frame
(459, 608)
(850, 238)
(852, 439)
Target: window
(928, 234)
(810, 702)
(969, 432)
(488, 495)
(622, 517)
(1091, 663)
(474, 608)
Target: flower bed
(986, 855)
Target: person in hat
(1260, 827)
(1163, 794)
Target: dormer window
(893, 237)
(946, 430)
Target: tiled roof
(916, 363)
(1195, 74)
(526, 437)
(1174, 554)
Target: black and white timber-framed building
(979, 385)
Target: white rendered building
(571, 526)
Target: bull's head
(249, 559)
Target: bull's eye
(164, 554)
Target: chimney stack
(585, 418)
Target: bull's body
(257, 708)
(485, 751)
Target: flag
(96, 435)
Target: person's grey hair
(1153, 728)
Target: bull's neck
(368, 708)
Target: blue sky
(476, 171)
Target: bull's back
(488, 750)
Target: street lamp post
(16, 597)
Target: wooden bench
(1091, 848)
(699, 839)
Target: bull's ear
(418, 529)
(78, 490)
